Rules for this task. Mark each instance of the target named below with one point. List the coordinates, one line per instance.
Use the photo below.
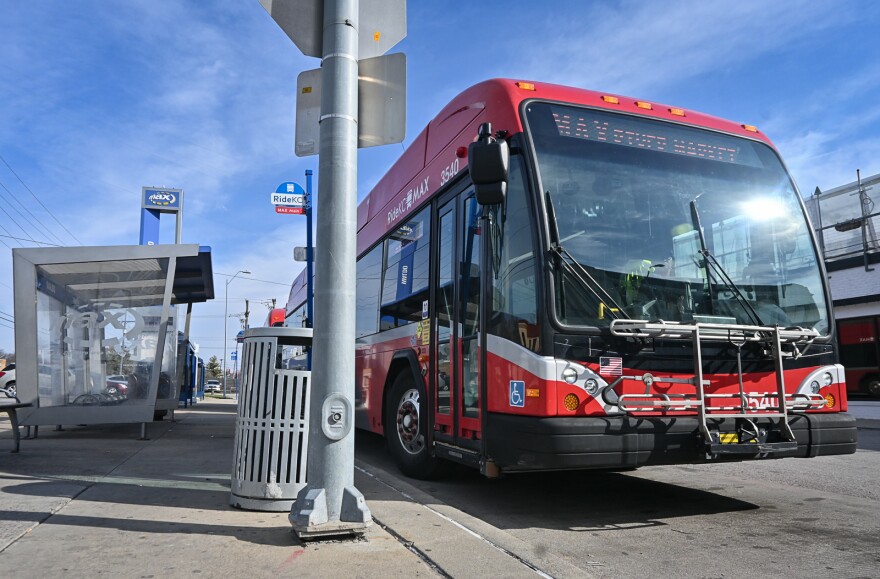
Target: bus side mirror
(488, 162)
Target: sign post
(310, 257)
(290, 198)
(330, 505)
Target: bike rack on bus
(783, 342)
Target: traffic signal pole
(330, 504)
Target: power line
(38, 201)
(12, 219)
(3, 242)
(32, 240)
(28, 211)
(254, 279)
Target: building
(847, 221)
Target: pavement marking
(141, 482)
(473, 533)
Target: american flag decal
(610, 366)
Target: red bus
(860, 353)
(276, 317)
(628, 284)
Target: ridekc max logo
(412, 197)
(162, 199)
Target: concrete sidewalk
(94, 500)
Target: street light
(225, 323)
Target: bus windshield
(630, 197)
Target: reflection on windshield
(622, 189)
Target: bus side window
(514, 299)
(405, 276)
(369, 276)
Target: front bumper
(521, 443)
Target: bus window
(405, 280)
(514, 303)
(369, 274)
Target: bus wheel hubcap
(408, 422)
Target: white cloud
(636, 47)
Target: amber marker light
(611, 99)
(677, 112)
(644, 105)
(830, 401)
(571, 402)
(526, 85)
(750, 128)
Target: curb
(868, 423)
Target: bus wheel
(405, 429)
(873, 387)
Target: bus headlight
(591, 386)
(827, 379)
(814, 387)
(570, 375)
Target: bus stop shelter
(96, 329)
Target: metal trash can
(272, 428)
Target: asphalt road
(786, 518)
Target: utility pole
(330, 505)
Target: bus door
(457, 381)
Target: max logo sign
(80, 329)
(162, 198)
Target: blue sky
(98, 99)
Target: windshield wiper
(580, 273)
(709, 260)
(576, 269)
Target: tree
(114, 363)
(214, 369)
(7, 357)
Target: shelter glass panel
(98, 327)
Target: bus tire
(406, 429)
(873, 387)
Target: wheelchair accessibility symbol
(517, 393)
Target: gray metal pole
(225, 323)
(330, 504)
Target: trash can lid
(289, 336)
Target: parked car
(117, 384)
(7, 380)
(213, 386)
